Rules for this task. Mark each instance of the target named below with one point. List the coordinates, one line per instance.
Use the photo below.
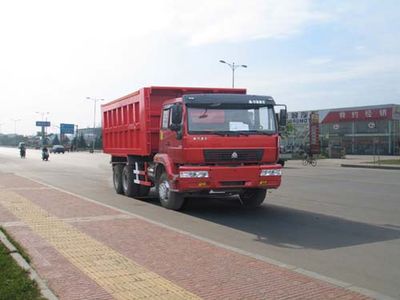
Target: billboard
(43, 123)
(67, 128)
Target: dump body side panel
(124, 124)
(131, 124)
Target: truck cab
(217, 144)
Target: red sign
(362, 115)
(314, 133)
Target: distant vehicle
(57, 149)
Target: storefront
(360, 130)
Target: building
(359, 130)
(89, 134)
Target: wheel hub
(164, 190)
(125, 181)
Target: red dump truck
(187, 141)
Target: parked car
(57, 149)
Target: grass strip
(386, 162)
(21, 250)
(15, 283)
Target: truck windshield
(258, 120)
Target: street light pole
(95, 100)
(233, 68)
(15, 125)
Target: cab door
(170, 143)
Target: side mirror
(176, 120)
(282, 117)
(176, 114)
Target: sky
(307, 54)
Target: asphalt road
(339, 222)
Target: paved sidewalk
(85, 250)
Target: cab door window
(166, 117)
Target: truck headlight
(193, 174)
(271, 172)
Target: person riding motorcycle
(22, 150)
(45, 153)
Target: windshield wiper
(256, 132)
(231, 132)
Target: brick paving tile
(66, 281)
(198, 267)
(8, 180)
(63, 205)
(208, 271)
(6, 216)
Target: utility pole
(15, 125)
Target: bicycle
(309, 161)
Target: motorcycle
(45, 155)
(22, 152)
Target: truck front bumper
(227, 178)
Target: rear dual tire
(117, 178)
(128, 186)
(123, 179)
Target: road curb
(44, 289)
(293, 268)
(370, 166)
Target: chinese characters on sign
(299, 117)
(362, 115)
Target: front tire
(169, 199)
(117, 178)
(253, 198)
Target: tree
(82, 142)
(290, 129)
(289, 132)
(56, 141)
(65, 139)
(99, 142)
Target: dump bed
(131, 124)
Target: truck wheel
(252, 198)
(117, 178)
(168, 199)
(129, 187)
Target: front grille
(233, 155)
